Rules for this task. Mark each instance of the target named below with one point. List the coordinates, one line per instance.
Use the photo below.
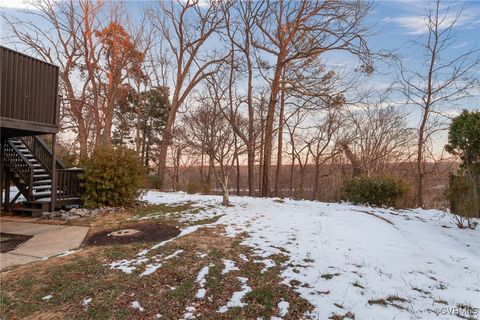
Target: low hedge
(375, 191)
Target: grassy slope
(86, 274)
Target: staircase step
(42, 187)
(42, 182)
(41, 190)
(37, 176)
(42, 194)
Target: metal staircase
(28, 164)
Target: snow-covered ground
(343, 256)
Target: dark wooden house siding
(29, 93)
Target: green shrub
(375, 191)
(112, 177)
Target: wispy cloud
(416, 24)
(17, 4)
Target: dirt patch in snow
(148, 232)
(11, 241)
(376, 216)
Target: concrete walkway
(48, 240)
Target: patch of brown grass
(392, 300)
(84, 274)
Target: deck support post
(2, 172)
(54, 174)
(5, 179)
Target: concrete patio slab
(8, 260)
(48, 240)
(27, 228)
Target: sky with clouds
(395, 25)
(399, 23)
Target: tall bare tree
(298, 146)
(322, 144)
(297, 30)
(208, 131)
(438, 82)
(186, 27)
(240, 27)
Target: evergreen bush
(112, 177)
(375, 191)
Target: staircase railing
(68, 183)
(41, 152)
(20, 164)
(68, 180)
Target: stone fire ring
(124, 232)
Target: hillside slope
(350, 260)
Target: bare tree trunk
(278, 173)
(225, 198)
(316, 188)
(292, 169)
(147, 157)
(142, 151)
(420, 164)
(251, 119)
(302, 180)
(225, 194)
(268, 143)
(260, 167)
(238, 176)
(422, 128)
(209, 173)
(82, 138)
(251, 169)
(162, 156)
(106, 138)
(202, 177)
(177, 167)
